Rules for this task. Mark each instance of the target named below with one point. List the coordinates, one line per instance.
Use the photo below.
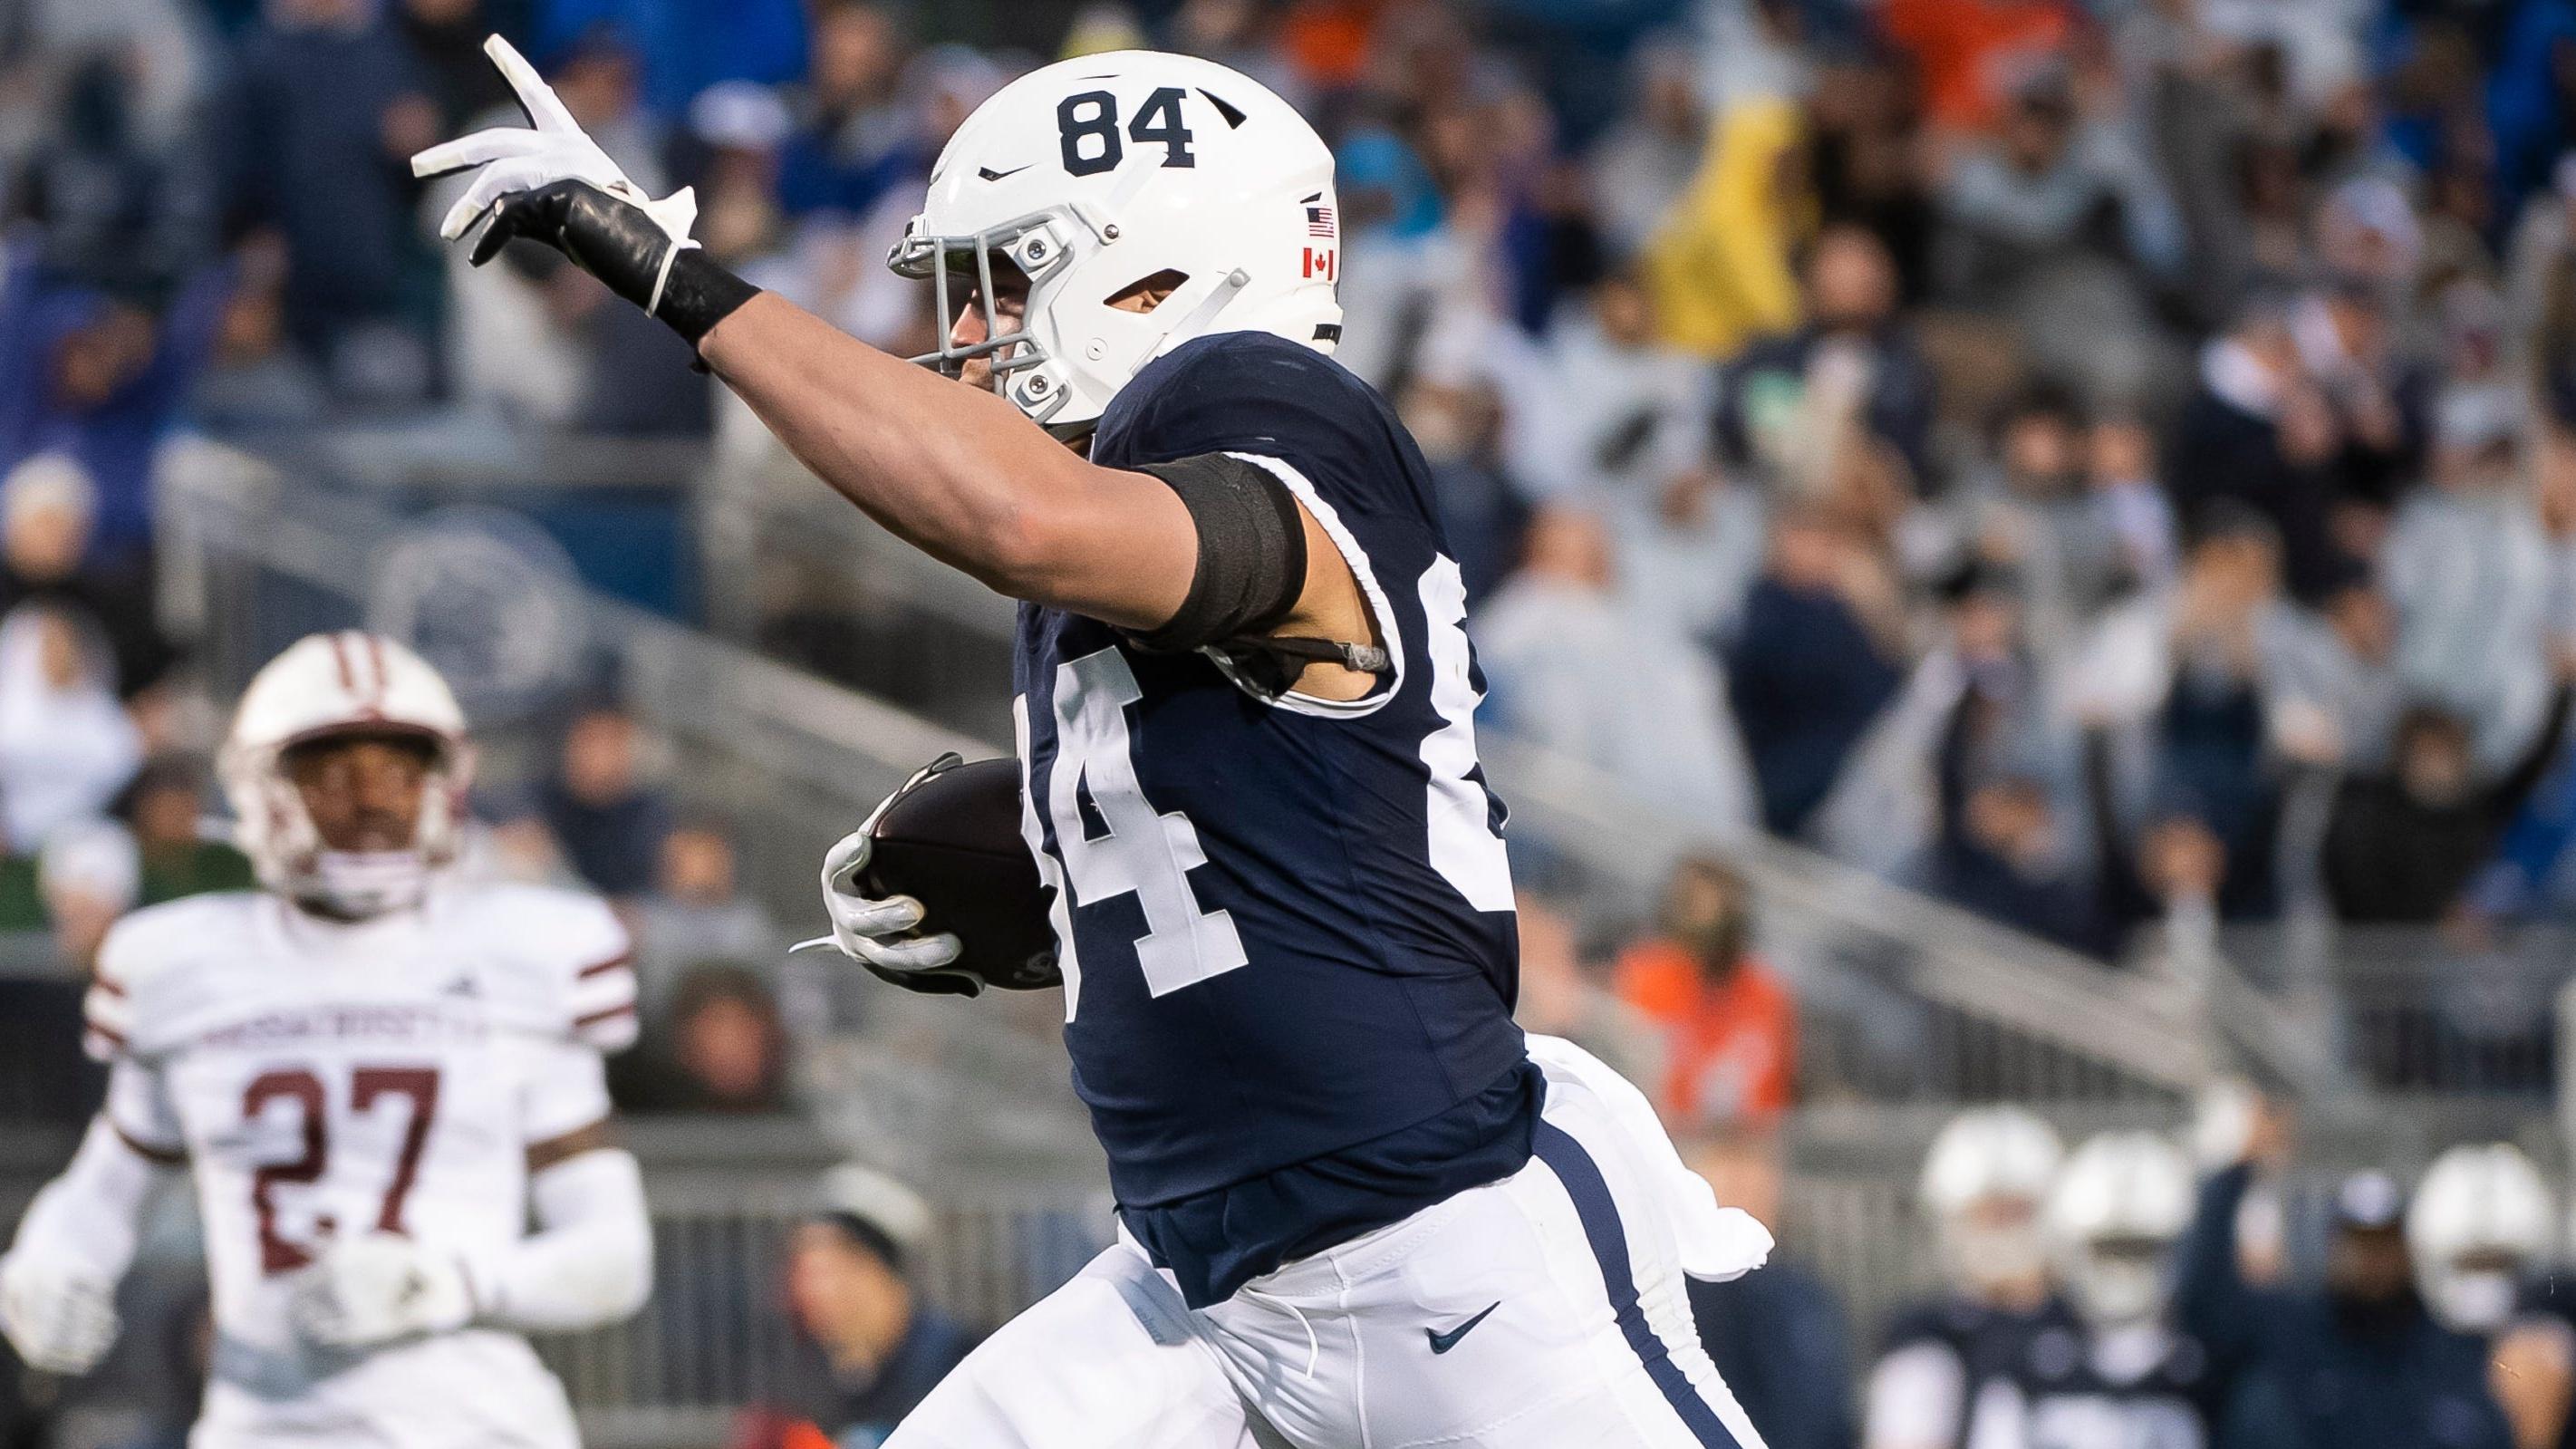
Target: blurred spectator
(1730, 1026)
(445, 38)
(2353, 1361)
(2348, 345)
(2078, 543)
(1573, 670)
(1558, 998)
(848, 126)
(606, 820)
(48, 509)
(697, 912)
(1648, 157)
(115, 207)
(66, 745)
(165, 809)
(1719, 264)
(1969, 54)
(2064, 226)
(1852, 360)
(723, 1053)
(1812, 662)
(1625, 414)
(318, 126)
(2338, 695)
(2255, 432)
(685, 46)
(868, 1349)
(2401, 845)
(88, 874)
(2475, 578)
(1778, 1335)
(1460, 410)
(98, 377)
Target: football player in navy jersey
(1949, 1368)
(1357, 1207)
(2129, 1379)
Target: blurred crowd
(2107, 464)
(2097, 462)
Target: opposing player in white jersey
(1358, 1208)
(376, 1077)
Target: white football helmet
(2118, 1207)
(339, 684)
(1984, 1181)
(1095, 174)
(2480, 1221)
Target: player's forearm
(589, 1263)
(958, 472)
(92, 1215)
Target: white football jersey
(324, 1078)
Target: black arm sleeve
(1252, 552)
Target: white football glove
(882, 933)
(60, 1321)
(370, 1290)
(516, 159)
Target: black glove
(613, 240)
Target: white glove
(60, 1321)
(516, 159)
(878, 933)
(371, 1290)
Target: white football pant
(1545, 1311)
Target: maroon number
(366, 1084)
(421, 1085)
(276, 1255)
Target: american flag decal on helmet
(1319, 221)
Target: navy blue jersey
(1285, 924)
(2143, 1387)
(1994, 1348)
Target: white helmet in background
(2480, 1221)
(2119, 1205)
(345, 683)
(1095, 174)
(1984, 1181)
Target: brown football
(951, 840)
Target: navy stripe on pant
(1600, 1215)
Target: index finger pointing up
(535, 97)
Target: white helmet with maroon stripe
(345, 683)
(1099, 174)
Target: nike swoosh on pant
(1443, 1342)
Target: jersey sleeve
(600, 991)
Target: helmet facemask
(2118, 1279)
(1037, 364)
(960, 271)
(277, 829)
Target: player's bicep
(1112, 545)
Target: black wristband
(699, 294)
